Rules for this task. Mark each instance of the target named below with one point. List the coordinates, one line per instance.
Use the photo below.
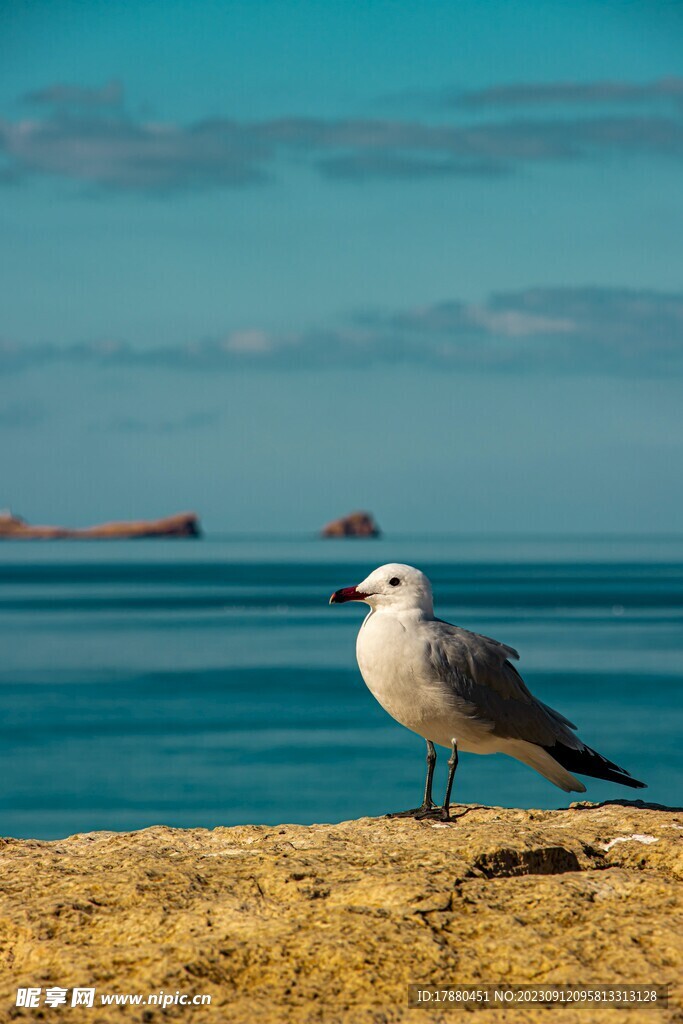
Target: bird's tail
(588, 762)
(544, 763)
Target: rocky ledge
(331, 922)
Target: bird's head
(394, 586)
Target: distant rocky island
(356, 524)
(183, 524)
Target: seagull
(459, 689)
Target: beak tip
(344, 595)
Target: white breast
(392, 664)
(392, 659)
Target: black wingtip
(627, 780)
(585, 761)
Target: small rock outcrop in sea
(184, 524)
(332, 922)
(357, 524)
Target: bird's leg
(428, 806)
(452, 765)
(431, 763)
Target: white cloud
(249, 342)
(85, 135)
(589, 329)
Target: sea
(208, 682)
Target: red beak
(346, 594)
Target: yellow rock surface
(332, 922)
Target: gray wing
(490, 689)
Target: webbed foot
(429, 810)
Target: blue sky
(273, 261)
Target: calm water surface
(208, 682)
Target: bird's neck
(415, 613)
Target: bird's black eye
(395, 582)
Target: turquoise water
(206, 683)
